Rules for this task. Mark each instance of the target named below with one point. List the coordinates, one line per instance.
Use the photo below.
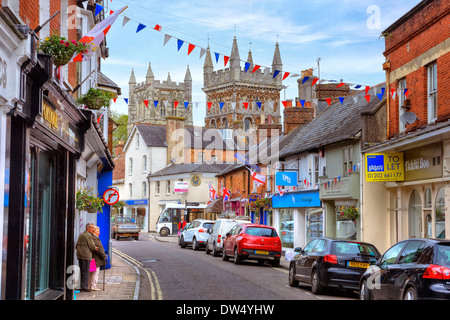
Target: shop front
(416, 205)
(297, 217)
(137, 211)
(45, 140)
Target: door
(380, 282)
(189, 233)
(400, 272)
(301, 261)
(228, 242)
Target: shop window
(314, 224)
(440, 214)
(287, 228)
(415, 215)
(346, 222)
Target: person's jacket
(85, 246)
(99, 255)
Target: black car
(411, 269)
(327, 262)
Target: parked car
(181, 231)
(196, 234)
(217, 234)
(326, 262)
(411, 269)
(125, 227)
(254, 242)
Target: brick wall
(412, 43)
(295, 117)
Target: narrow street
(171, 273)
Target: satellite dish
(408, 118)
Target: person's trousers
(94, 278)
(84, 272)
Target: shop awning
(215, 205)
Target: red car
(253, 242)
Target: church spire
(149, 77)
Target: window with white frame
(432, 92)
(130, 189)
(157, 187)
(144, 164)
(130, 166)
(168, 187)
(144, 189)
(316, 170)
(201, 156)
(137, 140)
(401, 102)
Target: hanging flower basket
(349, 213)
(87, 201)
(61, 49)
(96, 98)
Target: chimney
(175, 139)
(295, 117)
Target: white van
(214, 243)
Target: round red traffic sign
(111, 196)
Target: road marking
(155, 289)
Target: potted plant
(61, 49)
(118, 205)
(349, 213)
(96, 98)
(87, 201)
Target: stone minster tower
(166, 92)
(234, 85)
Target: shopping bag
(93, 267)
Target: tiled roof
(336, 123)
(188, 168)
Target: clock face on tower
(195, 181)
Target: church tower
(242, 99)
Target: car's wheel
(182, 243)
(195, 244)
(136, 238)
(276, 263)
(410, 294)
(292, 281)
(316, 287)
(207, 251)
(237, 258)
(215, 253)
(364, 293)
(224, 255)
(164, 232)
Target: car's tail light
(330, 258)
(436, 272)
(218, 238)
(202, 230)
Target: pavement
(122, 280)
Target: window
(391, 255)
(130, 189)
(130, 166)
(144, 164)
(137, 140)
(316, 170)
(412, 252)
(168, 187)
(348, 159)
(201, 156)
(440, 214)
(401, 102)
(157, 187)
(144, 189)
(415, 215)
(310, 246)
(432, 92)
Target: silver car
(196, 234)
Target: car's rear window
(123, 220)
(261, 232)
(443, 255)
(208, 225)
(342, 247)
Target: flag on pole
(212, 192)
(258, 178)
(96, 35)
(226, 194)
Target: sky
(344, 34)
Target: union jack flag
(226, 194)
(212, 192)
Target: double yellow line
(155, 289)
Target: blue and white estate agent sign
(286, 178)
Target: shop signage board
(181, 186)
(303, 199)
(136, 202)
(286, 178)
(423, 163)
(384, 167)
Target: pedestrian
(99, 257)
(181, 224)
(85, 246)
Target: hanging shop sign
(384, 167)
(181, 186)
(286, 178)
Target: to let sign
(384, 167)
